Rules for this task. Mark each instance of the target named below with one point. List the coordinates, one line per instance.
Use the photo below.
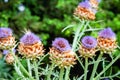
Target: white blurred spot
(5, 1)
(21, 8)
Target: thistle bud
(61, 53)
(88, 47)
(107, 40)
(7, 41)
(9, 57)
(85, 11)
(30, 46)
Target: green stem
(50, 72)
(77, 31)
(21, 66)
(41, 58)
(61, 73)
(95, 66)
(107, 67)
(36, 70)
(86, 68)
(79, 60)
(67, 73)
(76, 36)
(17, 69)
(29, 67)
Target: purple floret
(85, 4)
(5, 32)
(29, 39)
(7, 51)
(89, 42)
(61, 43)
(107, 33)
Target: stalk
(21, 66)
(50, 72)
(86, 68)
(67, 73)
(29, 67)
(77, 32)
(95, 66)
(107, 67)
(36, 70)
(61, 73)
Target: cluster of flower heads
(106, 42)
(87, 9)
(61, 53)
(30, 46)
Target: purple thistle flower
(5, 32)
(7, 51)
(85, 4)
(89, 42)
(61, 43)
(107, 33)
(29, 38)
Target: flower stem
(79, 61)
(36, 70)
(86, 68)
(50, 72)
(107, 67)
(21, 66)
(96, 65)
(76, 36)
(29, 67)
(67, 73)
(77, 31)
(61, 73)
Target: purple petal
(5, 32)
(107, 33)
(7, 51)
(29, 38)
(89, 42)
(61, 43)
(85, 4)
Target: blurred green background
(47, 18)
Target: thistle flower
(85, 11)
(61, 53)
(107, 40)
(88, 46)
(7, 41)
(9, 57)
(30, 46)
